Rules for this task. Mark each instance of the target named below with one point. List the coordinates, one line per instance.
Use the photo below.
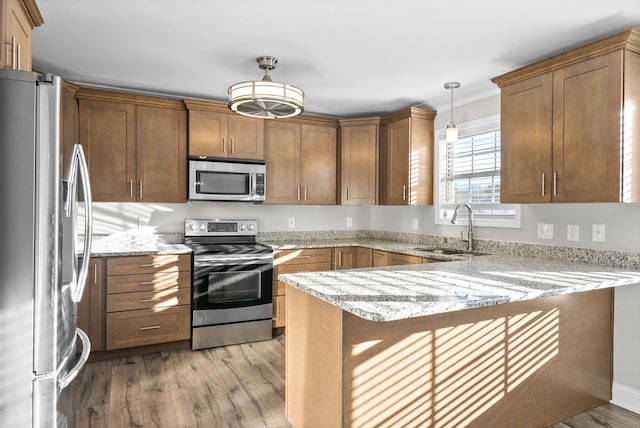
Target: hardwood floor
(232, 386)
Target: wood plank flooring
(233, 386)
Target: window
(469, 172)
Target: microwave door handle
(252, 184)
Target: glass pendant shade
(451, 133)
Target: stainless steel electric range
(231, 283)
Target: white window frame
(443, 212)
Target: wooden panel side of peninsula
(528, 363)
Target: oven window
(234, 286)
(223, 183)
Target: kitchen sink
(447, 251)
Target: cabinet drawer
(302, 256)
(147, 326)
(148, 282)
(173, 296)
(396, 259)
(307, 267)
(148, 264)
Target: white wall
(622, 224)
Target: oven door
(227, 282)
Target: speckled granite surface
(137, 244)
(400, 292)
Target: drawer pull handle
(151, 327)
(151, 265)
(149, 282)
(149, 300)
(304, 257)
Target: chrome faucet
(470, 232)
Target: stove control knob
(250, 227)
(193, 227)
(243, 226)
(203, 227)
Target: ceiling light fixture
(452, 131)
(266, 99)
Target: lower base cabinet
(148, 300)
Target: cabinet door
(345, 258)
(246, 137)
(208, 134)
(397, 259)
(161, 153)
(394, 166)
(318, 165)
(364, 256)
(107, 133)
(379, 258)
(526, 142)
(18, 25)
(282, 158)
(587, 102)
(358, 165)
(91, 309)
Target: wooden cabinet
(379, 258)
(293, 261)
(18, 18)
(397, 259)
(148, 300)
(364, 257)
(91, 308)
(406, 158)
(345, 258)
(301, 162)
(215, 132)
(135, 146)
(563, 139)
(358, 161)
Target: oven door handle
(224, 261)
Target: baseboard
(626, 397)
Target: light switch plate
(349, 221)
(597, 232)
(545, 230)
(414, 224)
(573, 232)
(291, 222)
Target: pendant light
(452, 131)
(266, 99)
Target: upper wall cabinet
(567, 125)
(136, 146)
(216, 132)
(300, 156)
(18, 18)
(358, 161)
(406, 157)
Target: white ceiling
(351, 57)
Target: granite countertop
(464, 282)
(136, 244)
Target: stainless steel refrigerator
(45, 208)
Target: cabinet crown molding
(360, 121)
(33, 12)
(628, 40)
(413, 112)
(124, 97)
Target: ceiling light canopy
(452, 131)
(266, 99)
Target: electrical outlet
(597, 232)
(573, 232)
(414, 224)
(349, 221)
(545, 230)
(291, 222)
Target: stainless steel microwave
(214, 179)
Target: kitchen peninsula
(477, 341)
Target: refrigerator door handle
(84, 356)
(79, 165)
